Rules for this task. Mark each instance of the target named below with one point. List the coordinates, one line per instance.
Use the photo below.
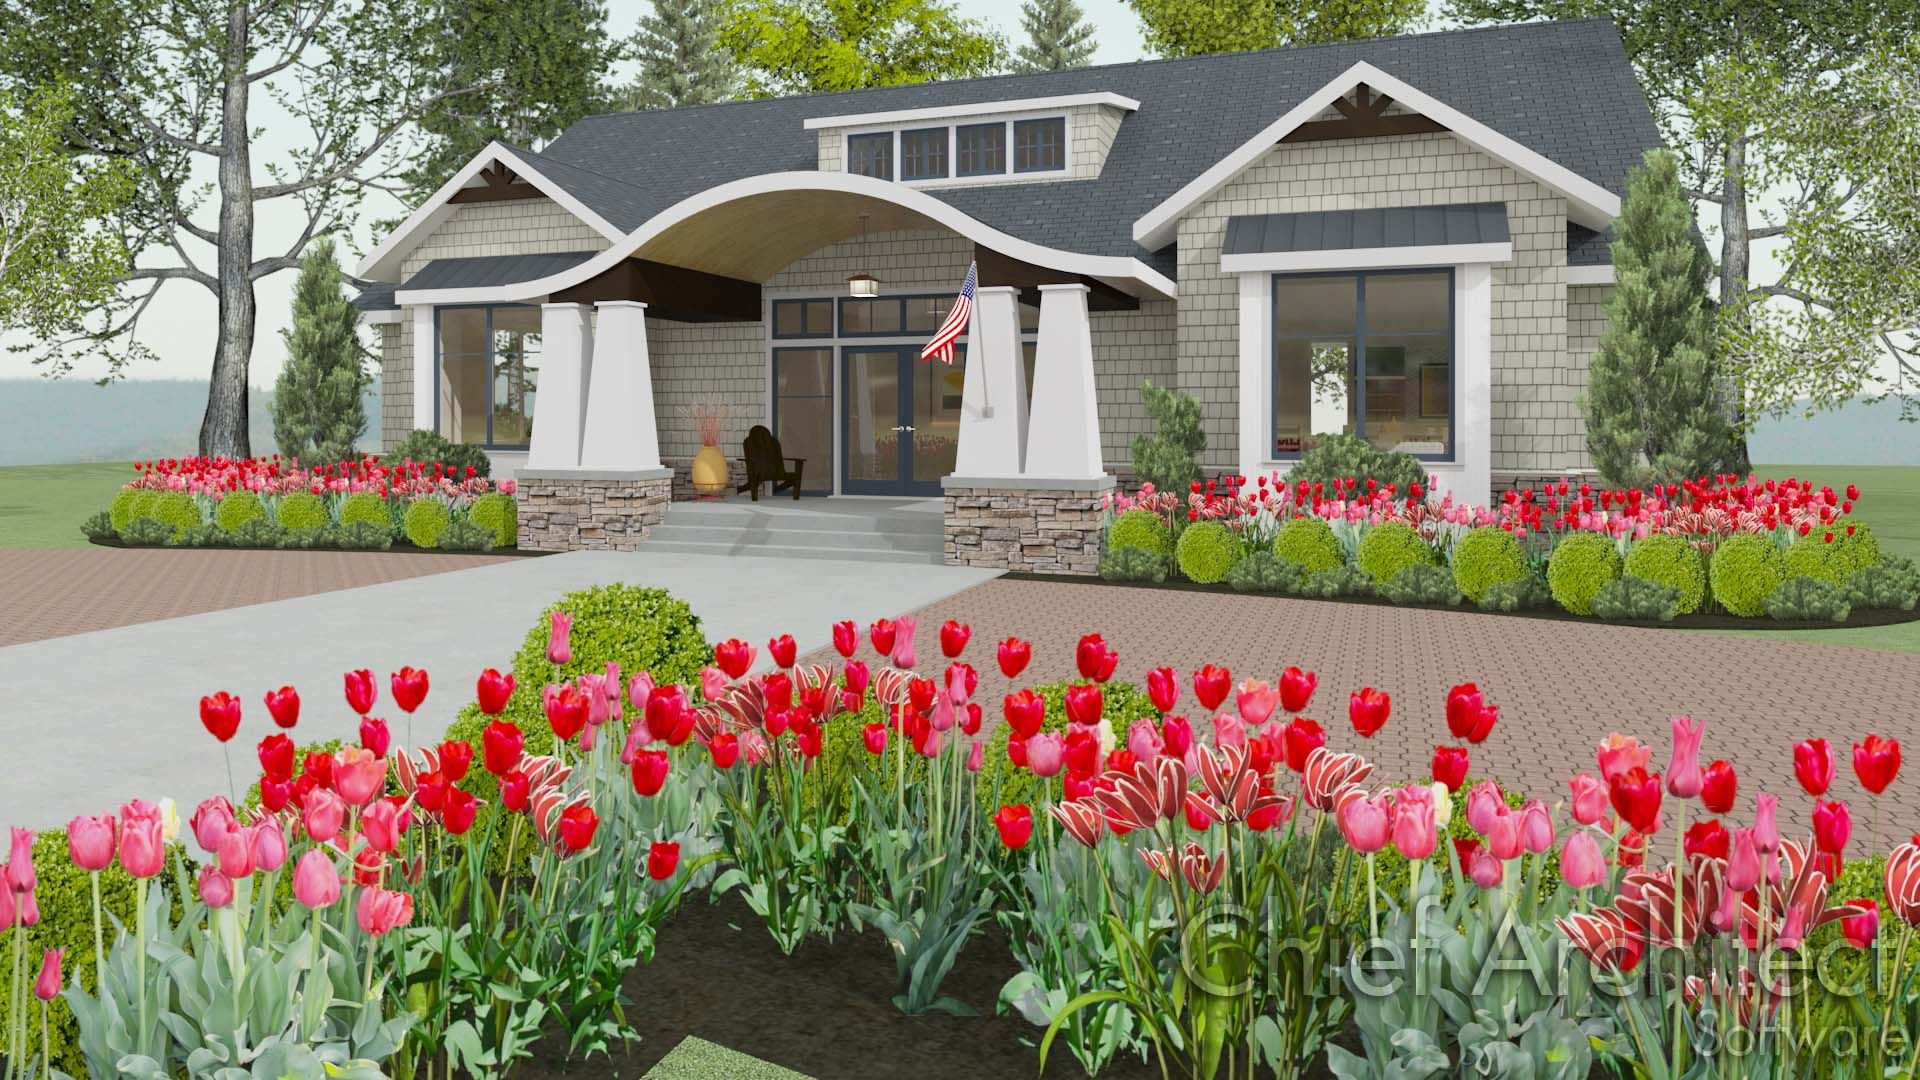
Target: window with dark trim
(1040, 145)
(871, 155)
(487, 372)
(802, 318)
(923, 154)
(981, 149)
(1364, 353)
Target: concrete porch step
(813, 515)
(839, 554)
(856, 530)
(674, 530)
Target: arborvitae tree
(1169, 458)
(1653, 403)
(317, 415)
(1058, 36)
(681, 59)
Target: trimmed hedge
(1309, 543)
(301, 510)
(1141, 530)
(1206, 551)
(1674, 562)
(427, 520)
(236, 509)
(1487, 557)
(1388, 549)
(1745, 571)
(1579, 568)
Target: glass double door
(901, 428)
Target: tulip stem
(99, 949)
(1373, 901)
(140, 956)
(46, 1046)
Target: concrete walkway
(93, 719)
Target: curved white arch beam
(1121, 271)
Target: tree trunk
(1735, 260)
(224, 430)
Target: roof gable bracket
(1363, 117)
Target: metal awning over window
(1349, 239)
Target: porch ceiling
(756, 236)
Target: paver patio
(1560, 685)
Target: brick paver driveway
(1560, 685)
(54, 592)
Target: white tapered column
(1063, 439)
(621, 430)
(993, 401)
(559, 409)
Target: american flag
(941, 347)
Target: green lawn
(42, 506)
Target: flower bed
(266, 503)
(1188, 877)
(1719, 551)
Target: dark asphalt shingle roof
(484, 270)
(1341, 230)
(1563, 89)
(376, 296)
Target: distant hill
(1858, 433)
(45, 422)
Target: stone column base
(590, 509)
(1034, 525)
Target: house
(1405, 237)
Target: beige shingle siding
(1586, 319)
(1535, 418)
(396, 383)
(1130, 347)
(700, 364)
(515, 227)
(1090, 133)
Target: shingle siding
(396, 384)
(1586, 320)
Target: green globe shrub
(1140, 529)
(237, 508)
(1387, 549)
(1817, 557)
(1580, 566)
(1487, 557)
(301, 510)
(365, 506)
(121, 510)
(1309, 543)
(1745, 571)
(1674, 562)
(1206, 551)
(1856, 542)
(498, 513)
(427, 521)
(175, 509)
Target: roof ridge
(541, 157)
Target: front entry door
(901, 431)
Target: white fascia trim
(383, 317)
(1123, 272)
(1590, 275)
(1588, 203)
(1382, 258)
(980, 108)
(383, 262)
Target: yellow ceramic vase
(710, 471)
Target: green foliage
(1199, 27)
(1653, 406)
(363, 536)
(1808, 599)
(1422, 583)
(1387, 549)
(1487, 557)
(1350, 457)
(1892, 585)
(1206, 551)
(1133, 564)
(200, 536)
(1169, 458)
(1674, 562)
(317, 412)
(427, 519)
(1856, 542)
(499, 514)
(319, 536)
(1526, 594)
(1058, 36)
(1580, 566)
(236, 509)
(365, 506)
(1309, 543)
(301, 510)
(1635, 599)
(258, 533)
(681, 62)
(1141, 529)
(121, 511)
(464, 535)
(1337, 582)
(813, 46)
(99, 527)
(175, 509)
(424, 447)
(1815, 556)
(1745, 571)
(1264, 572)
(146, 532)
(141, 505)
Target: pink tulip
(1229, 731)
(323, 815)
(359, 775)
(7, 910)
(1765, 831)
(1414, 825)
(90, 842)
(713, 683)
(1045, 755)
(216, 888)
(1582, 866)
(143, 850)
(1743, 861)
(381, 825)
(27, 910)
(381, 910)
(1683, 767)
(211, 821)
(236, 853)
(1256, 700)
(558, 650)
(639, 690)
(316, 883)
(903, 628)
(1143, 740)
(611, 680)
(1364, 822)
(1589, 798)
(1505, 837)
(20, 876)
(1536, 826)
(47, 986)
(1485, 868)
(1484, 802)
(976, 755)
(269, 846)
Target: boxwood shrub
(1422, 583)
(1745, 571)
(1809, 599)
(1308, 543)
(497, 513)
(1635, 599)
(1141, 529)
(1817, 557)
(1390, 548)
(1487, 557)
(1579, 568)
(1133, 564)
(427, 520)
(1264, 572)
(1206, 551)
(237, 508)
(1352, 457)
(1859, 546)
(1674, 562)
(121, 510)
(175, 509)
(364, 506)
(301, 510)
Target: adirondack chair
(767, 465)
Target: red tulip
(1832, 826)
(1708, 838)
(1469, 717)
(220, 715)
(1015, 824)
(276, 757)
(567, 710)
(362, 691)
(493, 689)
(409, 688)
(725, 748)
(458, 811)
(1024, 713)
(275, 794)
(1296, 688)
(1301, 737)
(874, 736)
(1014, 655)
(1450, 766)
(1084, 703)
(782, 650)
(1876, 762)
(1212, 685)
(1636, 798)
(502, 745)
(1718, 786)
(1163, 688)
(1368, 709)
(846, 640)
(1176, 736)
(882, 632)
(663, 858)
(1861, 929)
(734, 657)
(284, 706)
(1094, 659)
(577, 826)
(953, 638)
(456, 757)
(516, 791)
(856, 677)
(649, 770)
(1813, 766)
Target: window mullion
(1360, 355)
(489, 376)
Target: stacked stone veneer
(590, 511)
(1034, 530)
